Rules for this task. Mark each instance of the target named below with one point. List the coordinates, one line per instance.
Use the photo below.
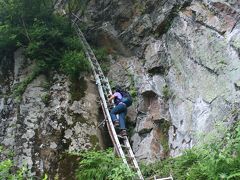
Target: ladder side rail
(87, 55)
(97, 68)
(86, 50)
(89, 51)
(105, 108)
(110, 133)
(97, 64)
(76, 18)
(109, 121)
(109, 91)
(85, 44)
(129, 149)
(134, 161)
(110, 126)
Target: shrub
(20, 88)
(73, 63)
(102, 165)
(47, 38)
(101, 55)
(46, 98)
(166, 92)
(133, 92)
(73, 43)
(218, 159)
(6, 169)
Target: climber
(122, 100)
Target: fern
(233, 176)
(100, 165)
(219, 159)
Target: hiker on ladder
(122, 101)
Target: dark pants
(121, 110)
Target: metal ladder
(167, 178)
(124, 149)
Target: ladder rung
(125, 146)
(167, 178)
(130, 157)
(134, 168)
(102, 123)
(121, 137)
(101, 74)
(105, 87)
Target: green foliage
(166, 92)
(20, 88)
(73, 43)
(45, 177)
(102, 57)
(219, 159)
(164, 126)
(121, 172)
(102, 165)
(47, 38)
(7, 36)
(46, 98)
(17, 16)
(101, 54)
(46, 85)
(74, 6)
(139, 7)
(78, 88)
(6, 169)
(74, 62)
(133, 92)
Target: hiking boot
(116, 123)
(123, 132)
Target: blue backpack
(126, 98)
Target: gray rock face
(183, 58)
(47, 122)
(202, 75)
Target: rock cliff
(53, 116)
(183, 59)
(180, 58)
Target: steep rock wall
(54, 115)
(183, 58)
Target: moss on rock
(78, 88)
